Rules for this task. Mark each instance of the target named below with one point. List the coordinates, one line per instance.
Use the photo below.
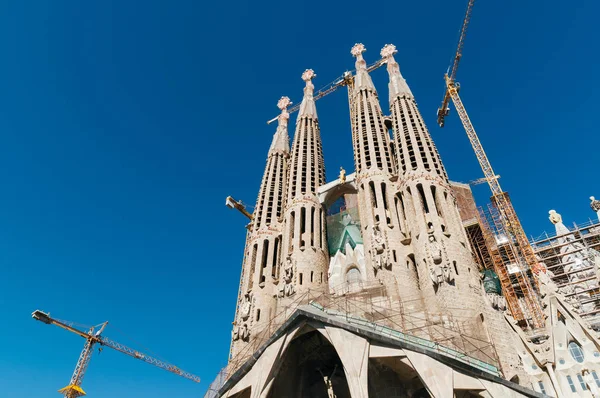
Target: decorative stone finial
(555, 218)
(358, 49)
(397, 85)
(388, 51)
(595, 204)
(307, 107)
(308, 75)
(283, 103)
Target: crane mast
(73, 389)
(516, 251)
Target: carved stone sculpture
(378, 247)
(286, 289)
(246, 306)
(439, 271)
(342, 175)
(595, 204)
(554, 217)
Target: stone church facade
(366, 286)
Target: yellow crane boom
(93, 337)
(517, 249)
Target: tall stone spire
(385, 235)
(306, 247)
(370, 135)
(414, 147)
(448, 276)
(262, 260)
(269, 205)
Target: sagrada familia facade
(367, 286)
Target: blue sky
(125, 124)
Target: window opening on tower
(302, 227)
(423, 199)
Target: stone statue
(328, 384)
(246, 306)
(244, 333)
(342, 175)
(287, 288)
(438, 272)
(378, 246)
(555, 218)
(595, 204)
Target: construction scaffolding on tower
(571, 260)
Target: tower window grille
(571, 384)
(302, 227)
(581, 382)
(252, 266)
(576, 352)
(312, 228)
(275, 263)
(292, 230)
(265, 256)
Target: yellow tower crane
(93, 337)
(516, 252)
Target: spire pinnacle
(397, 85)
(362, 80)
(281, 140)
(307, 107)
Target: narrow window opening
(423, 200)
(300, 278)
(581, 382)
(321, 277)
(571, 384)
(257, 314)
(265, 256)
(596, 378)
(252, 266)
(394, 255)
(542, 389)
(312, 227)
(302, 227)
(455, 267)
(311, 276)
(275, 258)
(292, 229)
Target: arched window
(576, 351)
(353, 275)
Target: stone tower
(258, 287)
(385, 235)
(305, 245)
(448, 276)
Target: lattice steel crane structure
(516, 251)
(93, 337)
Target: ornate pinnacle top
(307, 107)
(397, 85)
(281, 140)
(388, 51)
(363, 80)
(555, 218)
(283, 103)
(308, 75)
(358, 49)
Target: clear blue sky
(124, 124)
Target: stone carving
(439, 271)
(342, 175)
(328, 384)
(240, 332)
(358, 49)
(555, 218)
(284, 102)
(388, 50)
(497, 302)
(595, 204)
(308, 75)
(378, 247)
(246, 306)
(286, 288)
